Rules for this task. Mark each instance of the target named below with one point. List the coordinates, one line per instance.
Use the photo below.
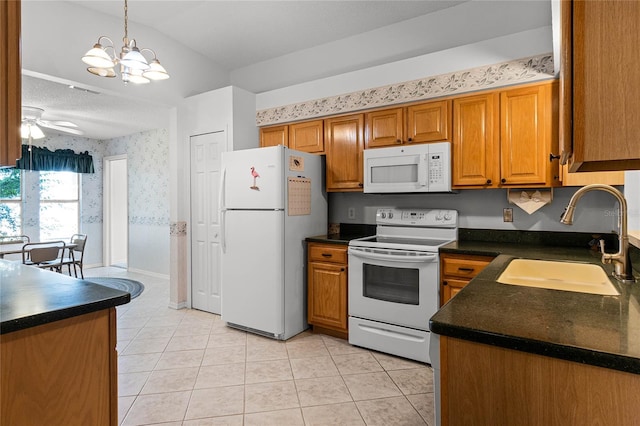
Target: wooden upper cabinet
(528, 135)
(344, 146)
(10, 83)
(307, 136)
(385, 127)
(429, 122)
(601, 68)
(274, 135)
(475, 143)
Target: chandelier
(134, 67)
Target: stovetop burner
(412, 229)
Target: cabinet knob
(398, 141)
(360, 185)
(553, 157)
(445, 283)
(409, 140)
(342, 269)
(488, 181)
(503, 180)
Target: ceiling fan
(32, 121)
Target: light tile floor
(186, 367)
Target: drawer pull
(327, 255)
(466, 269)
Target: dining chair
(45, 255)
(76, 254)
(14, 239)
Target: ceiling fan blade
(57, 123)
(62, 128)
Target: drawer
(463, 267)
(328, 253)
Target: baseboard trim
(178, 306)
(151, 274)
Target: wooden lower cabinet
(61, 373)
(327, 308)
(489, 385)
(456, 270)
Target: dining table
(16, 248)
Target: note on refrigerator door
(299, 191)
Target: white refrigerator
(271, 199)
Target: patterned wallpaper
(517, 71)
(148, 165)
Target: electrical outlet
(351, 213)
(507, 215)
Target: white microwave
(412, 168)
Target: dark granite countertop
(586, 328)
(30, 297)
(347, 233)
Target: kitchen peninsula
(510, 354)
(58, 348)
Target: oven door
(394, 286)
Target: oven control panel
(417, 217)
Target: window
(10, 202)
(59, 205)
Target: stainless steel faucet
(621, 261)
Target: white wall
(632, 194)
(497, 50)
(148, 182)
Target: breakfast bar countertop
(585, 328)
(30, 296)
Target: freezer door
(253, 179)
(253, 270)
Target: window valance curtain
(60, 160)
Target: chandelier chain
(126, 29)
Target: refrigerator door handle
(223, 210)
(223, 232)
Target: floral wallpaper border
(178, 228)
(523, 70)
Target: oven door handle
(426, 257)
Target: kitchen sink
(558, 275)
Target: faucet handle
(606, 258)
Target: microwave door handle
(422, 170)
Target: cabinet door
(385, 128)
(525, 135)
(327, 295)
(428, 122)
(606, 94)
(344, 145)
(451, 287)
(10, 83)
(475, 140)
(274, 135)
(307, 136)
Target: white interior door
(206, 151)
(115, 211)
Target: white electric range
(394, 280)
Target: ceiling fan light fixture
(97, 57)
(131, 60)
(30, 130)
(156, 71)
